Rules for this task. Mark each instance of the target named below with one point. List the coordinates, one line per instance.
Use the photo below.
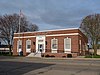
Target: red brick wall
(47, 32)
(74, 41)
(48, 46)
(15, 47)
(59, 54)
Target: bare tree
(91, 26)
(33, 27)
(10, 24)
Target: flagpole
(19, 32)
(19, 21)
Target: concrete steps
(34, 55)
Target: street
(48, 66)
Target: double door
(40, 48)
(40, 44)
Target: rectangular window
(54, 44)
(67, 44)
(28, 45)
(80, 45)
(19, 45)
(40, 40)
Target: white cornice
(47, 30)
(48, 35)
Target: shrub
(69, 55)
(52, 56)
(64, 56)
(42, 55)
(47, 55)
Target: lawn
(92, 56)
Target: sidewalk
(73, 58)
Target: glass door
(40, 48)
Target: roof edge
(48, 30)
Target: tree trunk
(95, 50)
(10, 51)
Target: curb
(75, 64)
(73, 58)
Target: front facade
(57, 43)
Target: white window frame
(67, 49)
(80, 44)
(19, 42)
(28, 49)
(54, 50)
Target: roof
(48, 30)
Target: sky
(52, 14)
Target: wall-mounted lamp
(33, 43)
(46, 42)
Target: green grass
(5, 54)
(92, 56)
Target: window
(80, 45)
(54, 44)
(28, 45)
(19, 44)
(67, 44)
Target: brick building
(57, 43)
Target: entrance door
(40, 44)
(40, 48)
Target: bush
(89, 56)
(69, 55)
(52, 56)
(42, 55)
(97, 56)
(47, 55)
(64, 56)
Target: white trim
(19, 42)
(67, 50)
(63, 34)
(48, 35)
(54, 51)
(52, 43)
(80, 44)
(47, 30)
(24, 37)
(40, 37)
(28, 50)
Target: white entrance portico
(40, 44)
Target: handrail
(36, 52)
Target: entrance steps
(34, 55)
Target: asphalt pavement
(49, 66)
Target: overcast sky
(52, 14)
